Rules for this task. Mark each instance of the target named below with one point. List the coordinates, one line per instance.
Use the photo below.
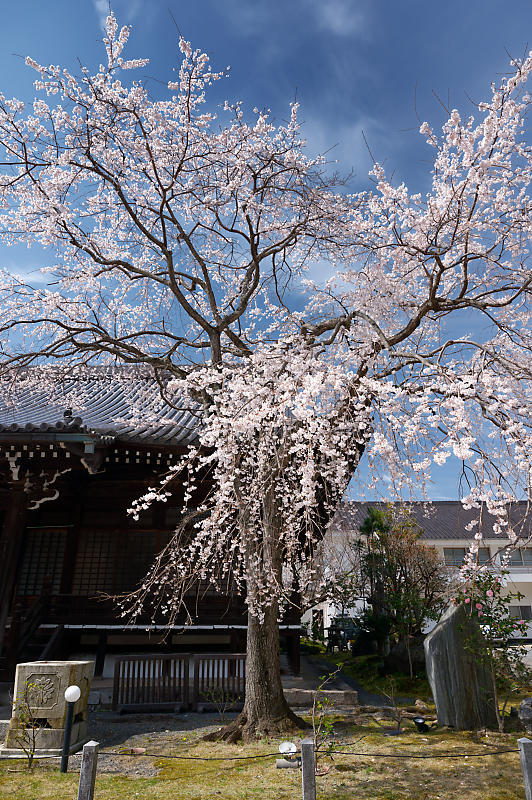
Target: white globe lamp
(72, 694)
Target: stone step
(335, 697)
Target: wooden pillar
(10, 551)
(234, 641)
(100, 653)
(293, 651)
(79, 484)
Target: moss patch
(360, 776)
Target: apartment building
(444, 526)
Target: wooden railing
(149, 682)
(53, 644)
(25, 621)
(219, 678)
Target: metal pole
(525, 754)
(68, 733)
(87, 773)
(308, 769)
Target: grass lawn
(357, 777)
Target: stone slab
(525, 713)
(54, 752)
(47, 681)
(459, 680)
(305, 697)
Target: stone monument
(39, 693)
(460, 682)
(525, 714)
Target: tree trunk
(265, 712)
(499, 717)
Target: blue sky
(356, 65)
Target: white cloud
(132, 9)
(102, 10)
(124, 11)
(345, 142)
(251, 17)
(34, 277)
(340, 17)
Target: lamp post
(72, 695)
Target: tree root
(247, 729)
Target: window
(454, 556)
(136, 553)
(520, 612)
(95, 564)
(43, 561)
(521, 557)
(114, 561)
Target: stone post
(87, 775)
(308, 769)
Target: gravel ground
(161, 734)
(157, 733)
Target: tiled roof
(127, 407)
(441, 519)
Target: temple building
(73, 458)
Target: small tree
(487, 598)
(322, 717)
(222, 699)
(26, 725)
(403, 580)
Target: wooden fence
(149, 682)
(152, 682)
(219, 679)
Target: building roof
(441, 519)
(124, 406)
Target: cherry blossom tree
(187, 243)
